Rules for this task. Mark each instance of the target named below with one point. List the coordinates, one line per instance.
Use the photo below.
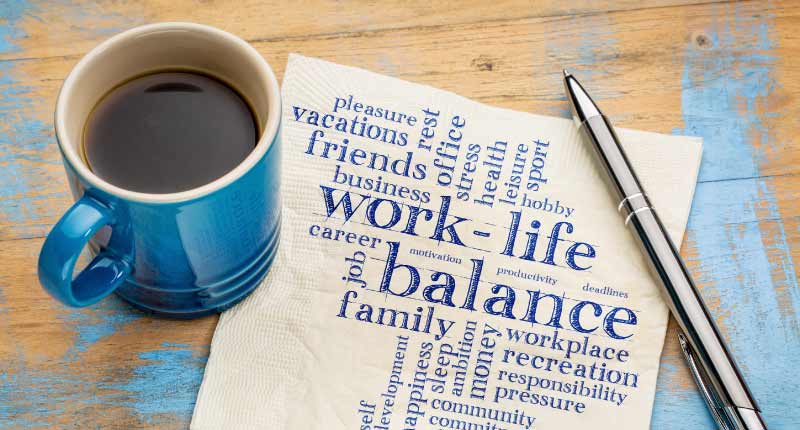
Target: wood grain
(70, 30)
(720, 70)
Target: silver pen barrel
(712, 364)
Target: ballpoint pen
(713, 368)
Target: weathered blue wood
(26, 144)
(164, 387)
(150, 388)
(736, 236)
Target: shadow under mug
(184, 254)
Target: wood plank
(629, 59)
(740, 247)
(742, 238)
(108, 366)
(55, 29)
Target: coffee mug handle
(63, 247)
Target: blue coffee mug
(183, 254)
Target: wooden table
(727, 72)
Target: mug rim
(265, 142)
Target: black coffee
(168, 132)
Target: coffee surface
(168, 132)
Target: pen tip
(566, 73)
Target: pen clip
(702, 384)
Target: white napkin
(315, 347)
